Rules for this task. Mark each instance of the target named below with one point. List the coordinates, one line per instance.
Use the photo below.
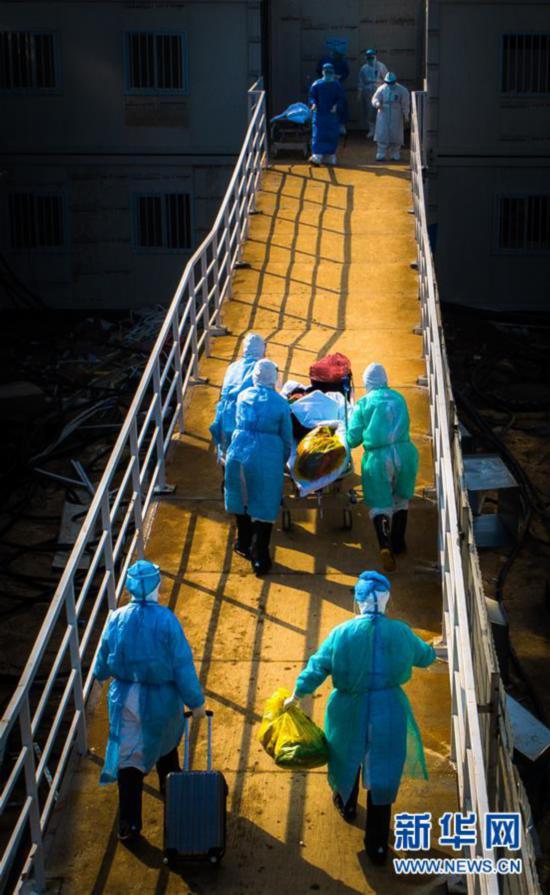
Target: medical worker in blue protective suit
(392, 103)
(380, 422)
(327, 101)
(238, 377)
(145, 652)
(255, 464)
(368, 720)
(337, 58)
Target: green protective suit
(368, 718)
(380, 422)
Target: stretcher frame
(331, 497)
(289, 135)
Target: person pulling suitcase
(145, 652)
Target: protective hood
(375, 376)
(265, 373)
(143, 579)
(372, 592)
(253, 347)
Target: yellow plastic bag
(319, 454)
(291, 738)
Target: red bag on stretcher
(331, 373)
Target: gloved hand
(289, 701)
(199, 712)
(333, 110)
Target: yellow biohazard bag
(291, 738)
(318, 454)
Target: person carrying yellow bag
(291, 738)
(369, 724)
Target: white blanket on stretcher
(316, 409)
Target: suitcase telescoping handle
(186, 716)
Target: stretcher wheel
(348, 520)
(286, 521)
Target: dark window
(27, 61)
(157, 62)
(526, 63)
(164, 222)
(36, 221)
(524, 223)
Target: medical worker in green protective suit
(369, 722)
(380, 422)
(145, 652)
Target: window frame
(156, 91)
(515, 94)
(161, 250)
(520, 252)
(39, 91)
(39, 250)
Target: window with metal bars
(36, 221)
(524, 224)
(28, 61)
(164, 221)
(525, 63)
(156, 63)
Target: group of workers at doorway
(369, 724)
(385, 107)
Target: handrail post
(108, 550)
(136, 486)
(227, 253)
(204, 303)
(193, 319)
(159, 422)
(216, 276)
(179, 373)
(76, 665)
(25, 727)
(239, 200)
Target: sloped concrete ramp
(330, 257)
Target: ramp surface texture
(330, 256)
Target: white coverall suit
(392, 102)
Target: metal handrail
(40, 726)
(481, 742)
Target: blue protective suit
(326, 124)
(144, 643)
(237, 378)
(368, 718)
(380, 421)
(256, 457)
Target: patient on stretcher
(319, 456)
